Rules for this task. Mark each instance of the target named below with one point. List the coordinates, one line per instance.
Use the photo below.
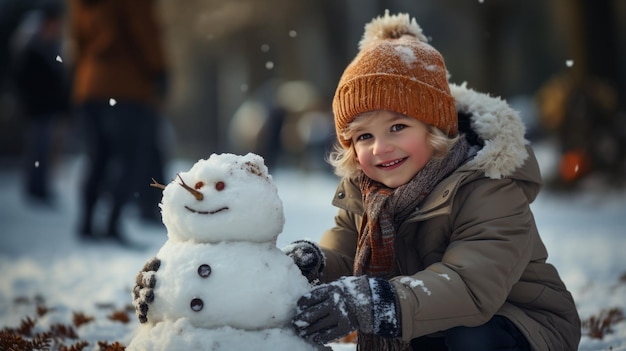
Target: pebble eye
(219, 186)
(199, 185)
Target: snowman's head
(223, 198)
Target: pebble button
(196, 304)
(204, 270)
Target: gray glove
(143, 291)
(308, 257)
(334, 310)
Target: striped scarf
(385, 210)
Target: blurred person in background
(120, 83)
(582, 107)
(41, 87)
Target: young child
(435, 246)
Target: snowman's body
(208, 283)
(221, 275)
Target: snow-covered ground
(40, 256)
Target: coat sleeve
(490, 244)
(339, 245)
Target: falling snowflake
(569, 63)
(36, 164)
(112, 102)
(59, 59)
(269, 65)
(293, 33)
(265, 48)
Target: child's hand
(308, 257)
(143, 293)
(331, 311)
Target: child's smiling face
(391, 148)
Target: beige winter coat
(472, 250)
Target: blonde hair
(344, 159)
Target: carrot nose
(198, 195)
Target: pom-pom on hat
(395, 70)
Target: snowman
(219, 282)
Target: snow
(414, 283)
(40, 257)
(225, 189)
(220, 283)
(406, 54)
(168, 335)
(244, 277)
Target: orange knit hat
(395, 70)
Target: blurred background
(259, 75)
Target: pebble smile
(206, 212)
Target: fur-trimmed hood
(500, 129)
